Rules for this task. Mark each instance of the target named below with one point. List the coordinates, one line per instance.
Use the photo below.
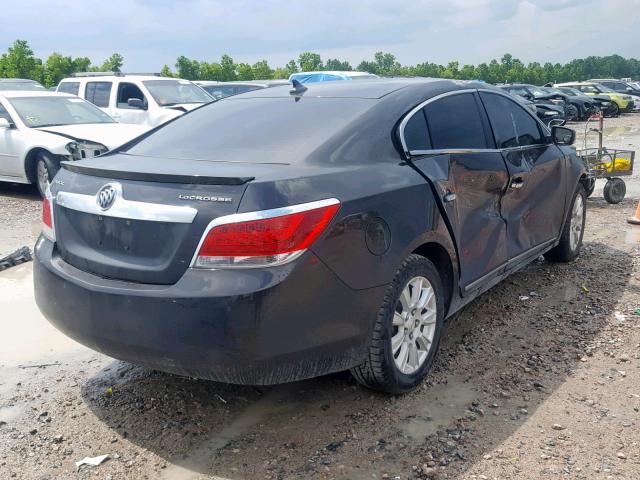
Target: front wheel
(613, 110)
(570, 243)
(44, 172)
(407, 329)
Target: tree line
(19, 61)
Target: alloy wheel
(414, 325)
(577, 214)
(42, 175)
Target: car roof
(106, 78)
(370, 89)
(33, 93)
(606, 80)
(571, 84)
(348, 73)
(16, 80)
(243, 82)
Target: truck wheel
(572, 232)
(407, 329)
(589, 187)
(614, 190)
(45, 170)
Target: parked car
(140, 99)
(621, 102)
(39, 129)
(219, 90)
(329, 76)
(602, 104)
(577, 107)
(14, 84)
(338, 235)
(549, 108)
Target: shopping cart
(609, 163)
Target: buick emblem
(107, 195)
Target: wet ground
(545, 386)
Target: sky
(151, 33)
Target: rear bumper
(237, 326)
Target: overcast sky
(150, 33)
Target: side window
(4, 114)
(416, 135)
(512, 125)
(98, 93)
(455, 122)
(69, 87)
(127, 91)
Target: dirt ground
(536, 379)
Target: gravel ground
(536, 379)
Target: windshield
(21, 86)
(538, 92)
(53, 111)
(223, 91)
(174, 92)
(602, 88)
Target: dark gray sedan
(287, 233)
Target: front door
(534, 202)
(10, 148)
(451, 144)
(122, 112)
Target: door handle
(517, 182)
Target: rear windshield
(256, 130)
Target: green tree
(335, 64)
(310, 62)
(112, 64)
(20, 62)
(210, 71)
(165, 71)
(228, 68)
(262, 70)
(187, 68)
(244, 71)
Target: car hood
(110, 135)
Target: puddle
(632, 236)
(27, 337)
(439, 407)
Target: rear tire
(590, 187)
(571, 238)
(407, 330)
(614, 190)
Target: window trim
(412, 153)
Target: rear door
(99, 93)
(450, 142)
(534, 202)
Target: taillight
(266, 238)
(47, 219)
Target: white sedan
(38, 130)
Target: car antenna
(298, 88)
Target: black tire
(590, 187)
(613, 110)
(614, 190)
(572, 113)
(565, 251)
(44, 160)
(379, 370)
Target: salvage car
(39, 129)
(139, 99)
(20, 84)
(603, 104)
(220, 90)
(620, 102)
(338, 235)
(550, 108)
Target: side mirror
(135, 103)
(4, 123)
(563, 135)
